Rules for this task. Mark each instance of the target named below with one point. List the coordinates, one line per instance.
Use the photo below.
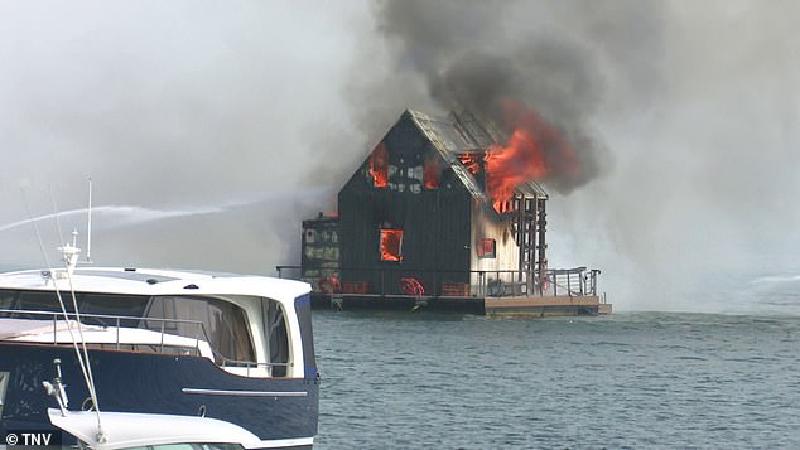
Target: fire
(431, 173)
(412, 286)
(379, 166)
(391, 244)
(535, 151)
(471, 162)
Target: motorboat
(218, 351)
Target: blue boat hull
(157, 383)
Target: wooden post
(541, 215)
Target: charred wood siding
(436, 222)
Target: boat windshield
(188, 446)
(225, 324)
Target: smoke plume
(473, 55)
(683, 116)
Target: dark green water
(636, 380)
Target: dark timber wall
(436, 222)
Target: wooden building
(415, 222)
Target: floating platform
(543, 306)
(507, 306)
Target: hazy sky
(211, 128)
(180, 105)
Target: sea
(634, 379)
(630, 380)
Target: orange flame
(431, 173)
(391, 244)
(534, 151)
(471, 162)
(412, 286)
(379, 166)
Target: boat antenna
(70, 258)
(57, 216)
(89, 226)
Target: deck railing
(400, 282)
(118, 323)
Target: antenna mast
(89, 226)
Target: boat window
(43, 301)
(102, 304)
(4, 376)
(188, 446)
(89, 304)
(113, 305)
(7, 299)
(276, 336)
(224, 324)
(302, 306)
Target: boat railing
(118, 323)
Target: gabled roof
(446, 139)
(459, 133)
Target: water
(403, 380)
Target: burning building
(447, 212)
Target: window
(379, 166)
(487, 248)
(302, 305)
(3, 387)
(188, 446)
(432, 173)
(225, 323)
(276, 336)
(391, 244)
(7, 299)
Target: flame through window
(379, 166)
(431, 173)
(391, 244)
(487, 248)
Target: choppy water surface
(405, 380)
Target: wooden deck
(533, 306)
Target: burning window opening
(503, 207)
(487, 248)
(471, 162)
(432, 173)
(379, 166)
(391, 244)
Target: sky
(212, 129)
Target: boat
(136, 431)
(204, 351)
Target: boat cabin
(248, 326)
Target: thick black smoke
(478, 55)
(693, 103)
